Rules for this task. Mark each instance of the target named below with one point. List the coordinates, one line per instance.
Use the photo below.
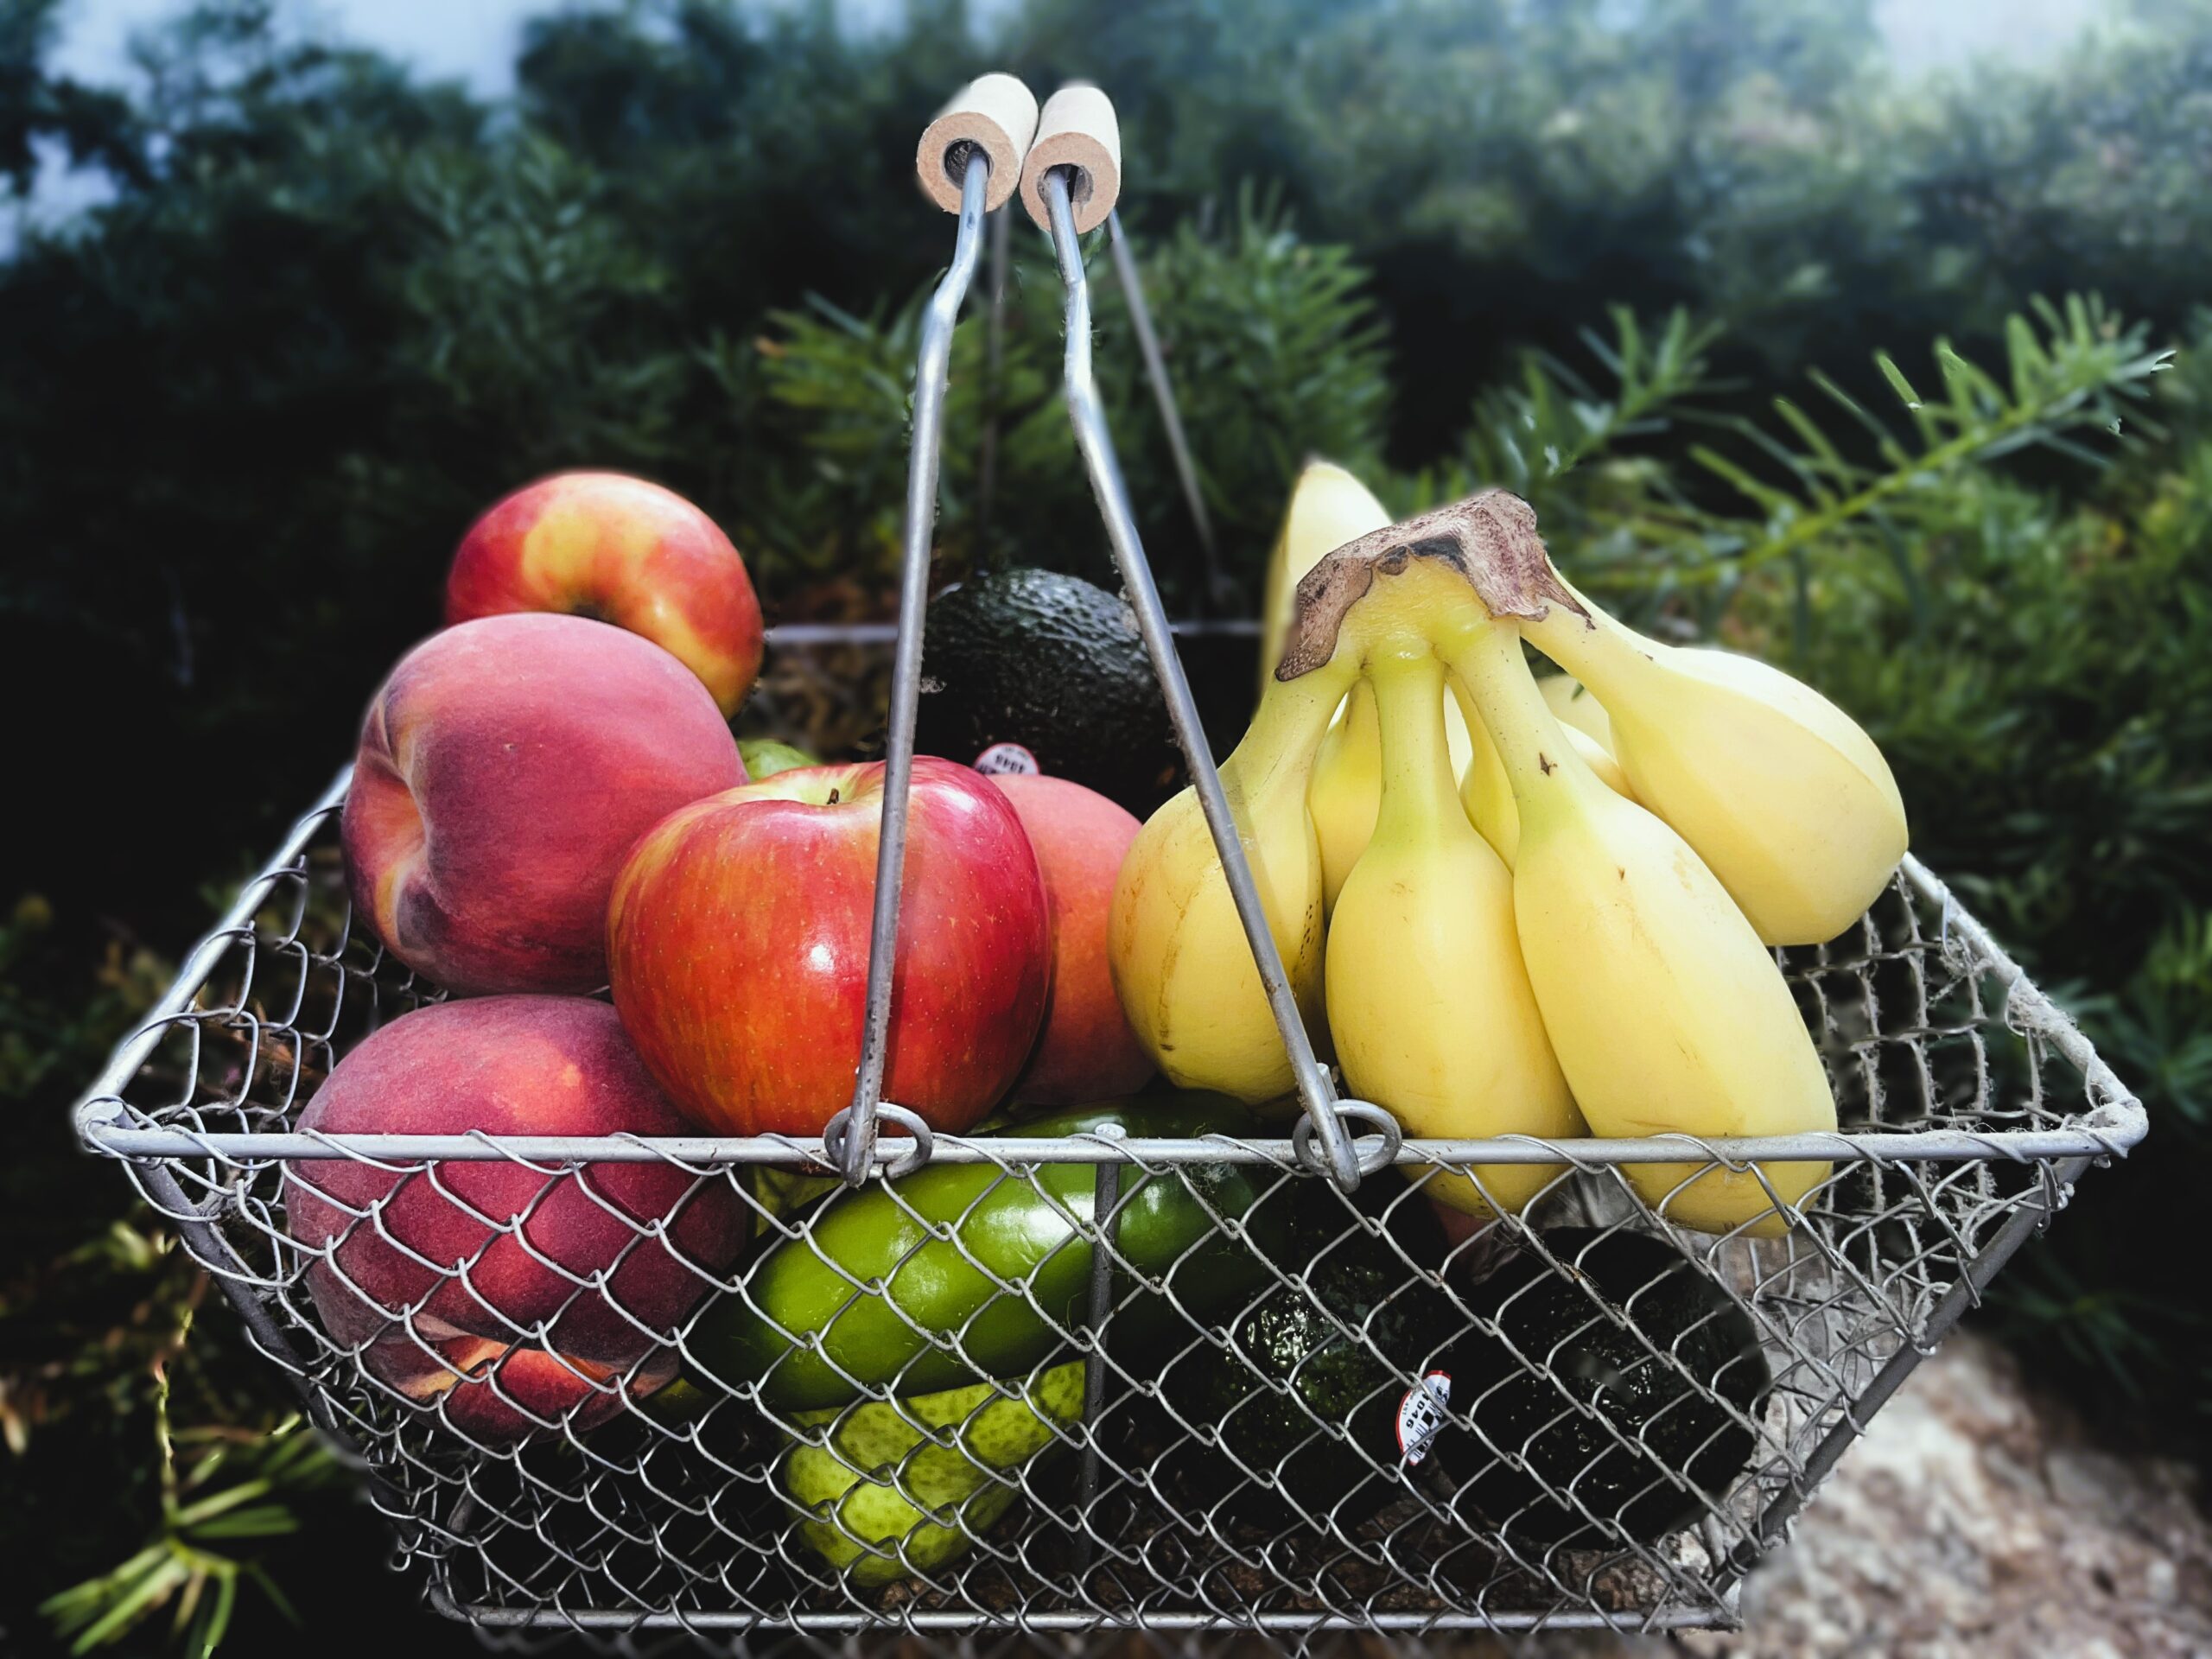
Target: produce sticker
(1421, 1416)
(1007, 761)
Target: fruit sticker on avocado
(1421, 1416)
(1007, 761)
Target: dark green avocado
(1299, 1422)
(1608, 1420)
(1055, 665)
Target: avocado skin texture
(1566, 1327)
(1055, 665)
(1310, 1408)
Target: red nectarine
(495, 1393)
(505, 768)
(599, 1261)
(1087, 1050)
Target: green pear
(889, 1492)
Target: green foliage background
(1636, 262)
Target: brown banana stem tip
(1490, 538)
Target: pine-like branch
(2073, 377)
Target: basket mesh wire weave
(1969, 1105)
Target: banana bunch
(1512, 908)
(1180, 962)
(1787, 801)
(1181, 966)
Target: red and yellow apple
(1087, 1050)
(618, 548)
(505, 767)
(600, 1261)
(737, 945)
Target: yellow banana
(1346, 789)
(1181, 964)
(1328, 507)
(1576, 709)
(1666, 1011)
(1784, 798)
(1486, 793)
(1428, 1003)
(1348, 782)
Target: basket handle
(1080, 131)
(994, 114)
(976, 129)
(1078, 123)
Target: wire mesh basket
(1289, 1407)
(1971, 1106)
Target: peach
(616, 548)
(599, 1262)
(1086, 1051)
(495, 1393)
(510, 1394)
(505, 767)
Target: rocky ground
(1975, 1521)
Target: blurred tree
(91, 126)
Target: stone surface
(1977, 1520)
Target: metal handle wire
(1219, 594)
(1088, 415)
(857, 1124)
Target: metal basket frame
(1927, 1203)
(1977, 1192)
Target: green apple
(890, 1493)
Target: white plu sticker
(1422, 1415)
(1007, 761)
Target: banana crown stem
(1418, 797)
(1279, 746)
(1537, 756)
(1605, 654)
(1485, 550)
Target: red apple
(737, 945)
(616, 548)
(600, 1261)
(1087, 1050)
(505, 768)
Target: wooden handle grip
(1078, 129)
(994, 114)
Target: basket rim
(107, 1126)
(2110, 1130)
(1721, 1613)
